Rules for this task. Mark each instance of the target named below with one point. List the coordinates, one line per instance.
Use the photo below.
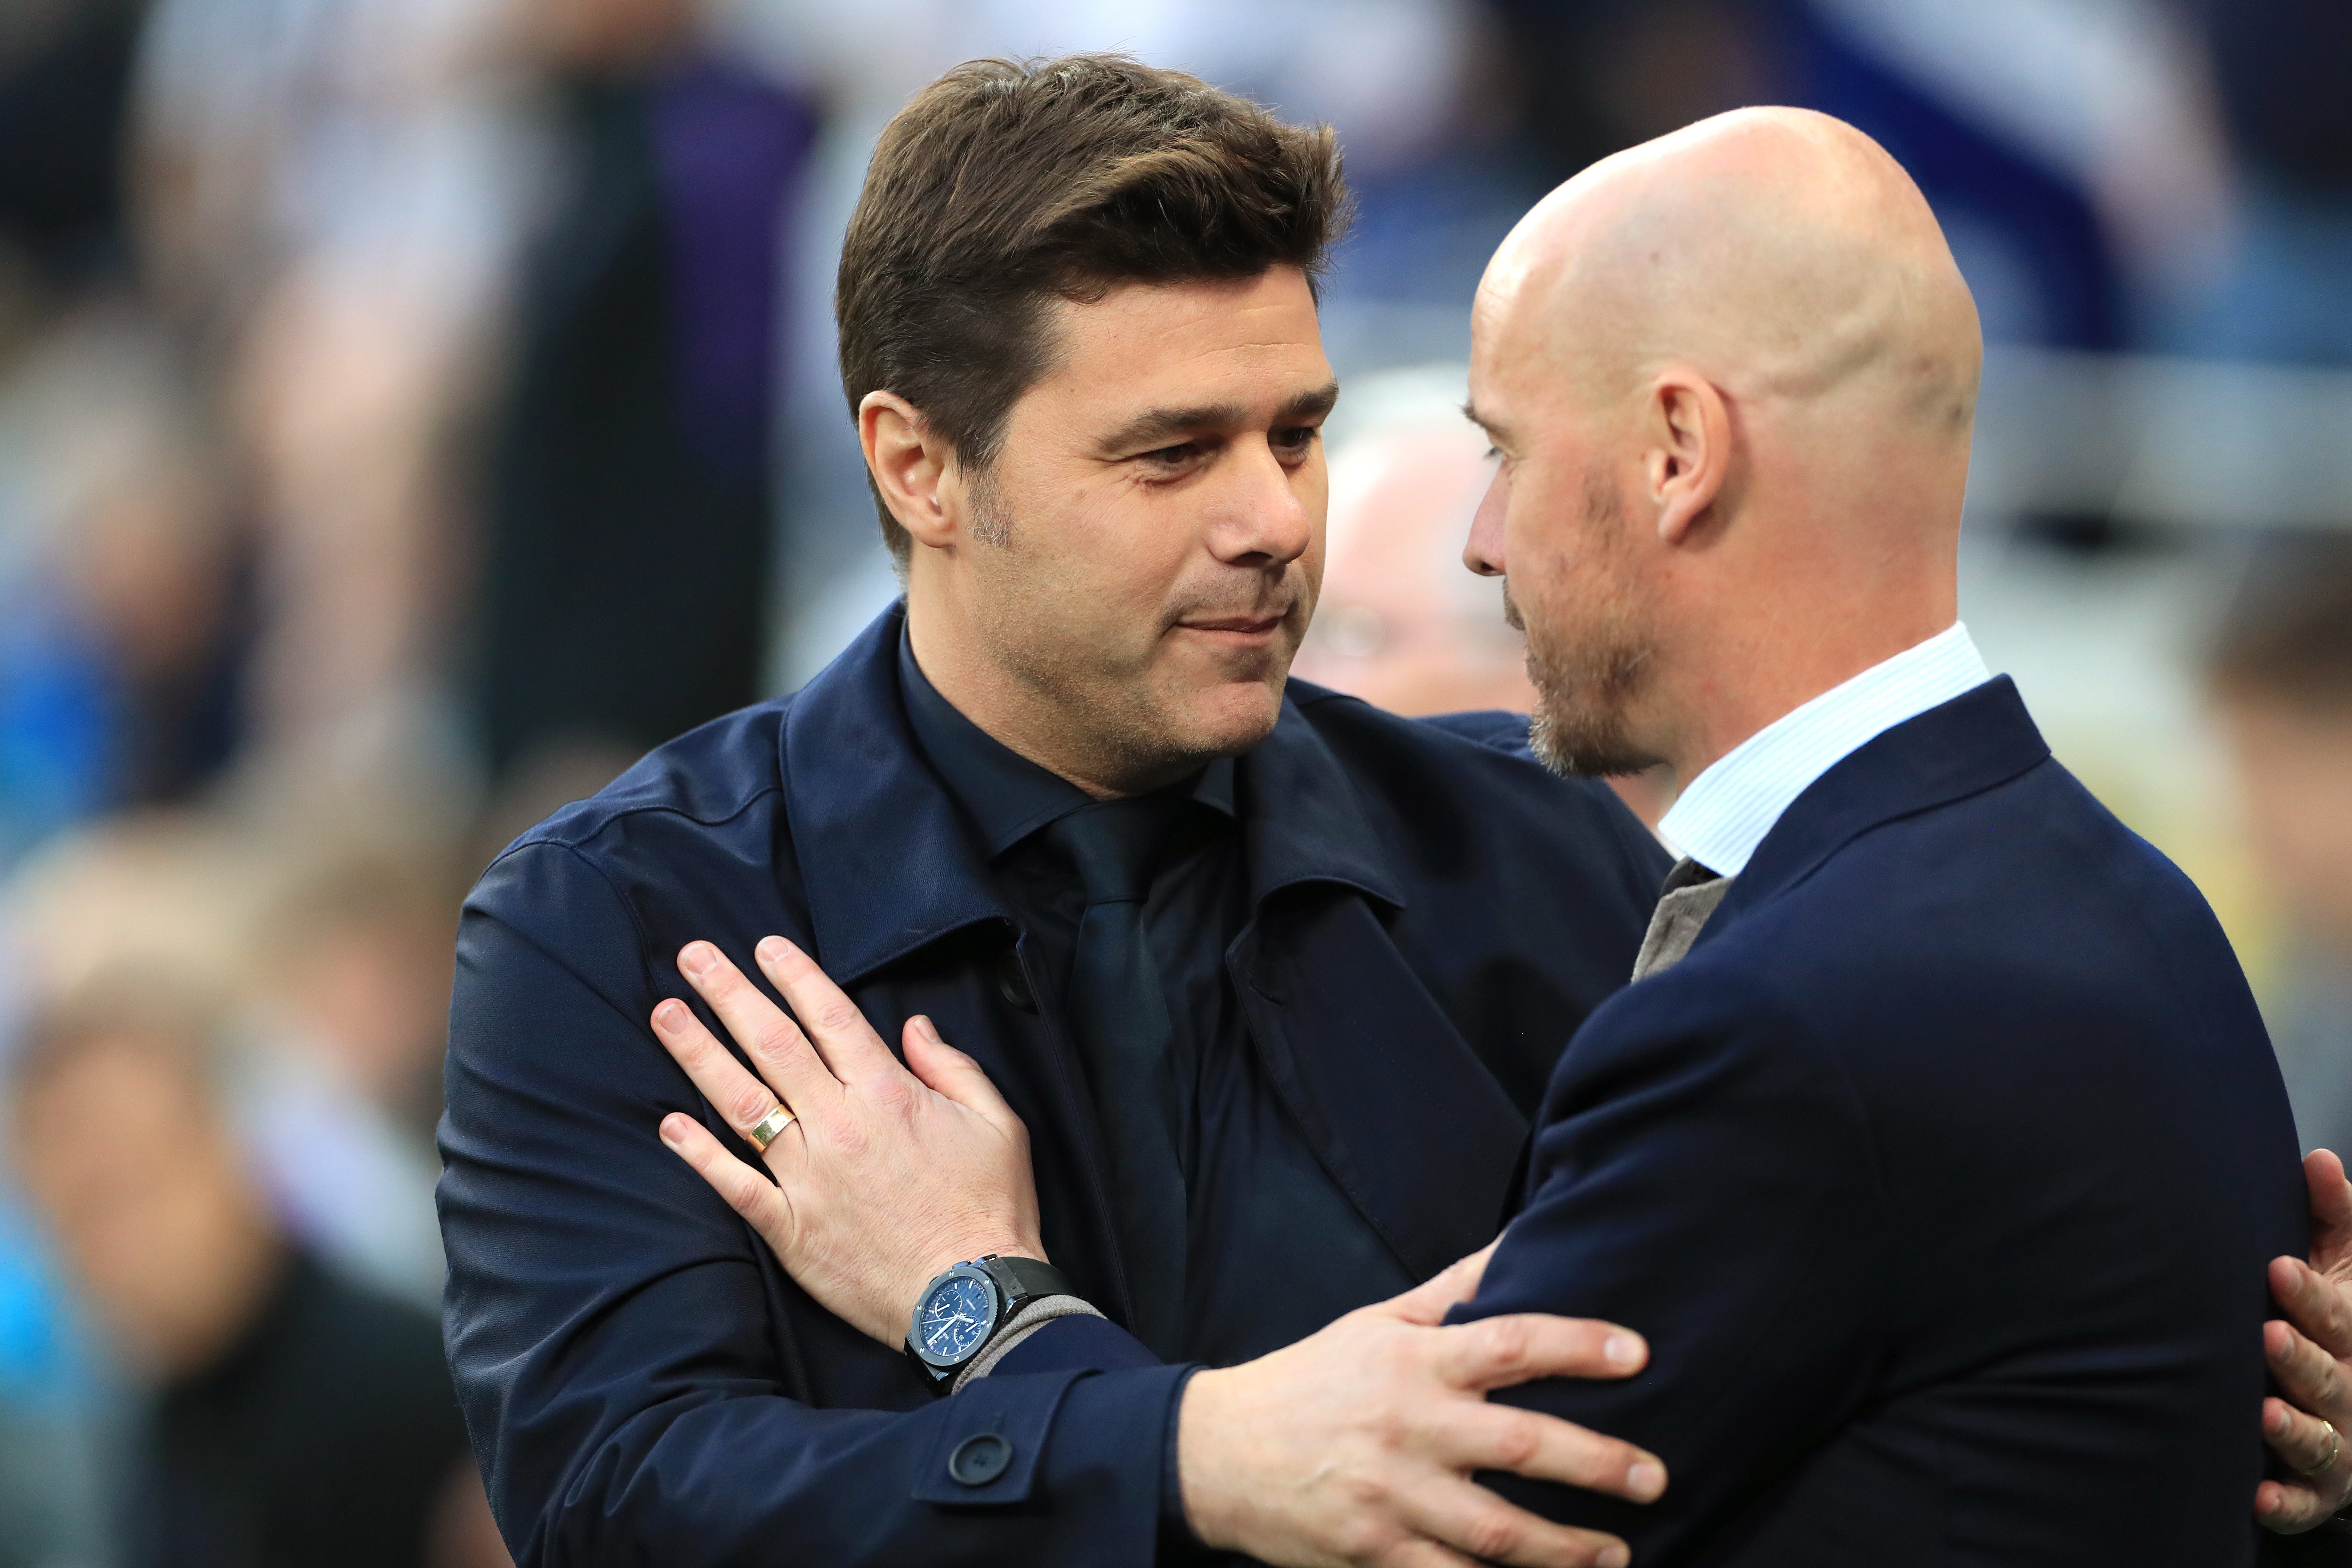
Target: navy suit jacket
(1941, 1176)
(1434, 914)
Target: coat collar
(891, 864)
(1982, 737)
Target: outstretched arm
(1355, 1445)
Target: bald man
(1937, 1148)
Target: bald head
(1782, 252)
(1733, 374)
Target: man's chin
(1230, 717)
(1584, 746)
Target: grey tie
(1691, 894)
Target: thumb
(951, 1074)
(1428, 1302)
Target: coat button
(980, 1460)
(1013, 985)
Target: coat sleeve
(625, 1375)
(1705, 1176)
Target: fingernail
(1646, 1479)
(673, 1128)
(2276, 1422)
(928, 1030)
(670, 1015)
(1621, 1350)
(773, 949)
(696, 957)
(1615, 1556)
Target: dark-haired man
(1233, 956)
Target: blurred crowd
(413, 410)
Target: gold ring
(770, 1127)
(2335, 1446)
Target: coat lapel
(1404, 1116)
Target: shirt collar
(1725, 813)
(1008, 796)
(887, 862)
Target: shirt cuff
(1032, 1317)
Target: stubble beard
(1108, 720)
(1586, 678)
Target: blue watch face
(956, 1318)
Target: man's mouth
(1234, 626)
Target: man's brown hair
(1005, 184)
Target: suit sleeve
(625, 1375)
(1704, 1176)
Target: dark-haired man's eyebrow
(1309, 404)
(1162, 427)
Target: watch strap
(1023, 1280)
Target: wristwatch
(961, 1311)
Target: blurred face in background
(2294, 761)
(124, 1151)
(1401, 625)
(1137, 566)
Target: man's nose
(1484, 552)
(1265, 520)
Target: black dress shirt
(1290, 1252)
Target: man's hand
(1355, 1445)
(888, 1176)
(2311, 1355)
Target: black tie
(1119, 1015)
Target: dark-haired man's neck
(1030, 723)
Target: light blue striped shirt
(1725, 811)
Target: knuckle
(1507, 1342)
(746, 1196)
(748, 1104)
(839, 1014)
(773, 1039)
(1368, 1497)
(1491, 1533)
(1518, 1443)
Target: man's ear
(913, 468)
(1689, 456)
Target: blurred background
(413, 410)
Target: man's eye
(1494, 454)
(1170, 456)
(1297, 439)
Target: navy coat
(1434, 915)
(1941, 1176)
